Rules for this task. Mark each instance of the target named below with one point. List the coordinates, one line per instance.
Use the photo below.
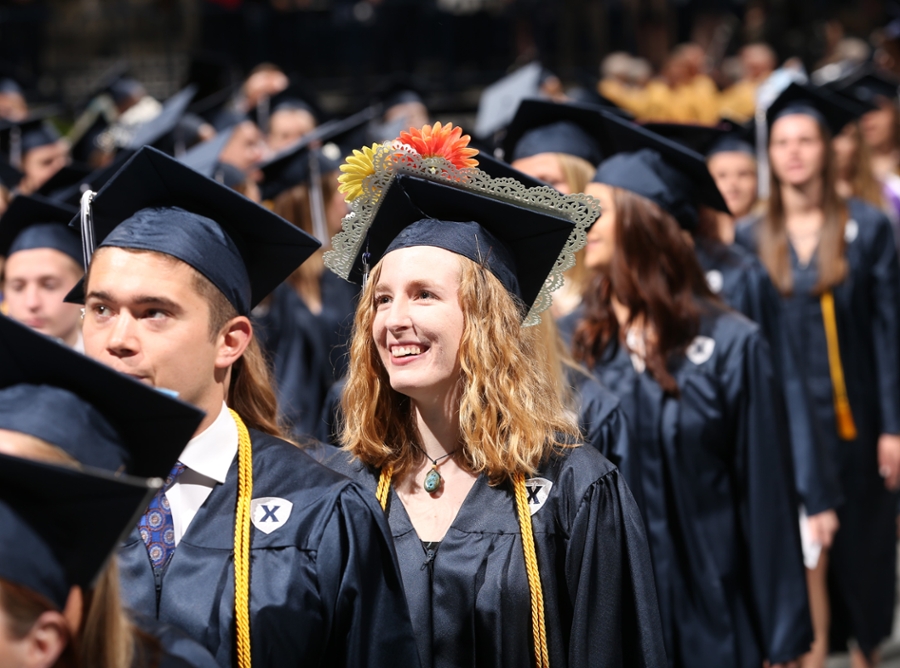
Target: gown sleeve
(886, 326)
(360, 587)
(767, 505)
(607, 559)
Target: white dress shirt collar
(211, 452)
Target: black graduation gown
(324, 586)
(470, 599)
(167, 645)
(741, 281)
(713, 473)
(299, 344)
(862, 570)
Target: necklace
(433, 479)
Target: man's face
(37, 281)
(145, 318)
(246, 147)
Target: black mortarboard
(540, 126)
(204, 157)
(10, 86)
(71, 194)
(59, 525)
(291, 166)
(867, 84)
(499, 101)
(34, 222)
(154, 130)
(698, 138)
(831, 110)
(498, 169)
(16, 139)
(155, 203)
(400, 89)
(72, 174)
(97, 415)
(519, 245)
(659, 169)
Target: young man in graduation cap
(181, 261)
(43, 263)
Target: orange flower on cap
(442, 141)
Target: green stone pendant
(433, 481)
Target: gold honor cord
(845, 424)
(538, 628)
(242, 544)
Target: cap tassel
(317, 200)
(87, 227)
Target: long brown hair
(655, 274)
(511, 416)
(773, 239)
(251, 388)
(862, 180)
(578, 172)
(294, 206)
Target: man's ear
(233, 341)
(47, 640)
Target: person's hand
(889, 460)
(823, 526)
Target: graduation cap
(71, 194)
(116, 82)
(17, 139)
(72, 174)
(527, 237)
(829, 109)
(156, 203)
(540, 126)
(35, 222)
(500, 100)
(204, 157)
(868, 84)
(100, 417)
(9, 86)
(59, 525)
(154, 130)
(698, 138)
(659, 169)
(400, 89)
(497, 169)
(519, 245)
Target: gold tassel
(538, 624)
(242, 544)
(845, 425)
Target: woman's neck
(725, 225)
(884, 160)
(802, 200)
(438, 424)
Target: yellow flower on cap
(356, 169)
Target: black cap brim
(836, 110)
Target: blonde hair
(578, 172)
(863, 182)
(510, 413)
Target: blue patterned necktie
(157, 528)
